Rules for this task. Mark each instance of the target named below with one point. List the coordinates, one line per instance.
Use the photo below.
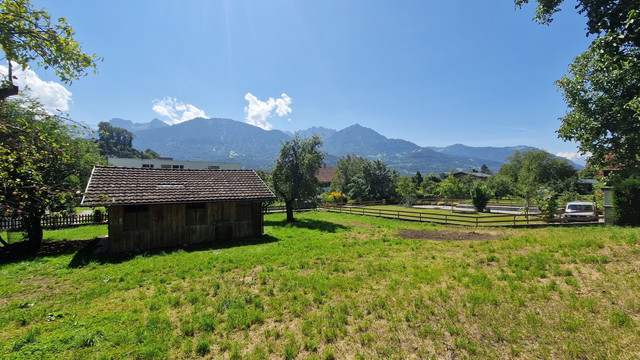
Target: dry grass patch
(447, 235)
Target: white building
(169, 163)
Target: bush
(98, 215)
(547, 203)
(480, 197)
(626, 202)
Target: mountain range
(227, 140)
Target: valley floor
(334, 286)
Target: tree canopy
(43, 166)
(28, 34)
(602, 86)
(374, 181)
(294, 176)
(118, 142)
(531, 170)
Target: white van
(579, 209)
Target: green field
(334, 286)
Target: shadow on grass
(86, 255)
(311, 224)
(20, 251)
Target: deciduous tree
(28, 35)
(294, 176)
(348, 167)
(602, 87)
(406, 189)
(375, 181)
(533, 169)
(42, 165)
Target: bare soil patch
(440, 235)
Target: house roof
(325, 174)
(109, 185)
(477, 174)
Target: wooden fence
(461, 219)
(56, 221)
(282, 208)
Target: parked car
(578, 210)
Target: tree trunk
(289, 206)
(33, 226)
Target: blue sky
(432, 72)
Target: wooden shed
(156, 208)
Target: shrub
(626, 202)
(548, 203)
(480, 197)
(98, 215)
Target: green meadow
(332, 286)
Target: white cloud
(176, 111)
(574, 156)
(51, 94)
(259, 111)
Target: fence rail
(460, 219)
(56, 221)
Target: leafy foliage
(28, 34)
(602, 87)
(375, 181)
(602, 91)
(294, 176)
(626, 202)
(547, 202)
(348, 167)
(117, 142)
(500, 186)
(480, 196)
(451, 188)
(407, 190)
(531, 170)
(42, 165)
(429, 185)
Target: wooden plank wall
(167, 226)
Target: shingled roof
(110, 185)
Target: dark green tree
(499, 186)
(452, 188)
(480, 196)
(294, 176)
(417, 179)
(486, 170)
(626, 202)
(406, 189)
(348, 167)
(531, 170)
(28, 35)
(375, 181)
(429, 186)
(118, 142)
(43, 166)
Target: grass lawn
(334, 286)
